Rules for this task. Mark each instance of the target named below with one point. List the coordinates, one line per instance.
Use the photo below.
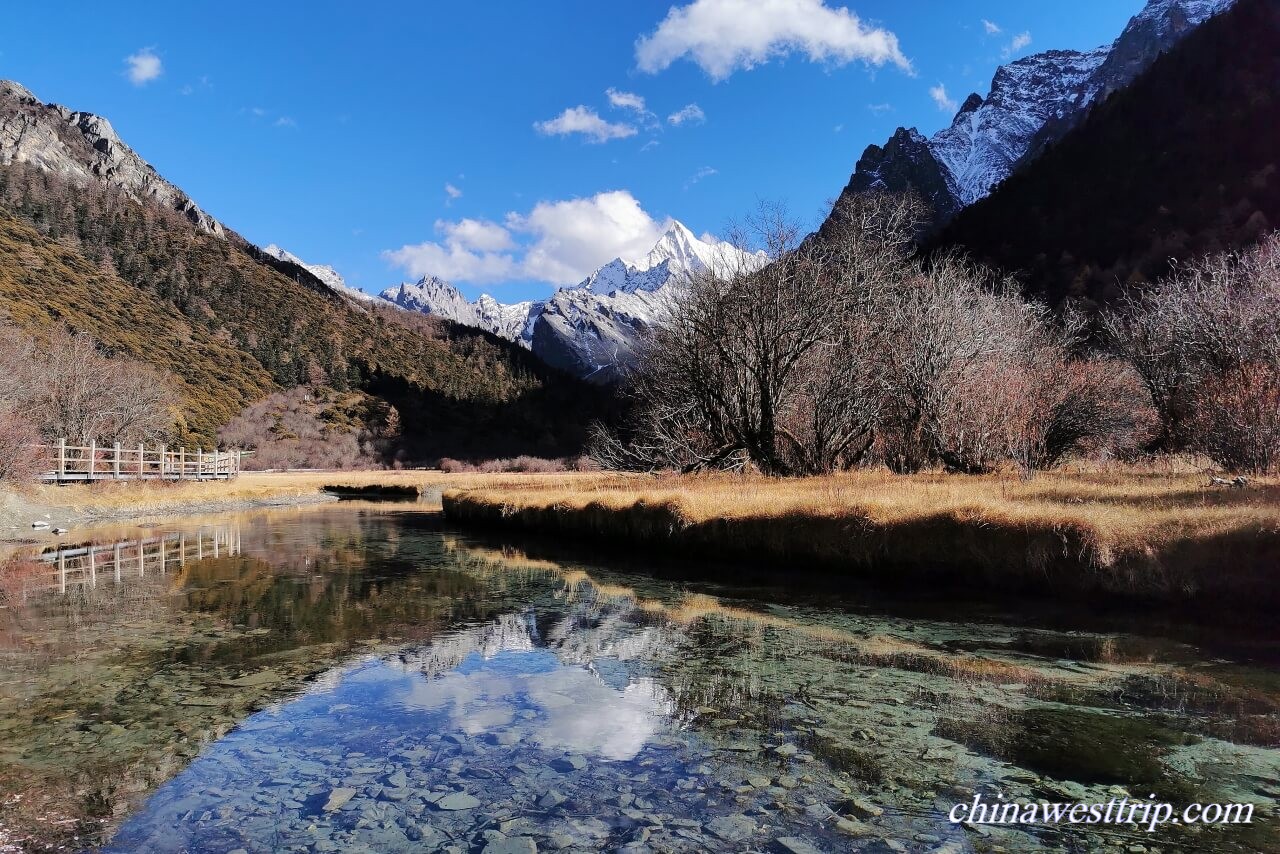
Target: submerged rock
(551, 800)
(457, 801)
(512, 845)
(797, 845)
(731, 828)
(566, 764)
(338, 798)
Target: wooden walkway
(87, 566)
(79, 463)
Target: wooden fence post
(62, 459)
(115, 461)
(93, 453)
(199, 463)
(163, 453)
(182, 462)
(142, 457)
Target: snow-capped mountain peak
(677, 245)
(1033, 102)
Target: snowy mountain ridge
(1033, 102)
(323, 272)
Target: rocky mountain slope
(1032, 103)
(99, 242)
(82, 146)
(590, 329)
(1180, 163)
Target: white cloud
(559, 242)
(585, 121)
(704, 172)
(286, 122)
(143, 67)
(687, 113)
(939, 95)
(462, 256)
(1020, 41)
(991, 28)
(572, 238)
(453, 263)
(878, 109)
(724, 36)
(626, 100)
(620, 100)
(480, 234)
(651, 144)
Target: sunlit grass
(1129, 529)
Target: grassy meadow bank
(1133, 533)
(77, 504)
(1164, 535)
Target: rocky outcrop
(905, 162)
(83, 146)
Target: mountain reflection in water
(354, 678)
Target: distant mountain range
(1033, 102)
(590, 329)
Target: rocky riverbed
(367, 680)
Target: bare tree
(1206, 343)
(754, 361)
(67, 387)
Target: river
(359, 677)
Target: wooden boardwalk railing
(114, 462)
(85, 566)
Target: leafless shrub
(80, 393)
(755, 342)
(307, 427)
(65, 386)
(1206, 344)
(523, 463)
(20, 459)
(1236, 420)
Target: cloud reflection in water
(531, 696)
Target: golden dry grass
(1121, 529)
(260, 487)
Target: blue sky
(337, 129)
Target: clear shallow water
(346, 679)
